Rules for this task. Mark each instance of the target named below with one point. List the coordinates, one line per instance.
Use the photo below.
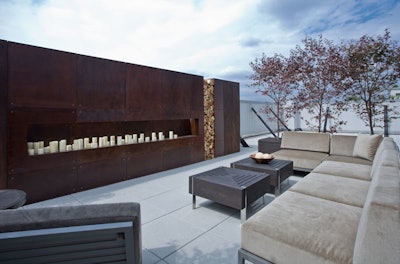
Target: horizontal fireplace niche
(46, 139)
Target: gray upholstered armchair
(88, 233)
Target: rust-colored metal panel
(231, 118)
(177, 155)
(197, 150)
(227, 117)
(100, 115)
(3, 113)
(175, 95)
(135, 163)
(143, 92)
(45, 184)
(41, 77)
(196, 84)
(97, 154)
(100, 173)
(100, 89)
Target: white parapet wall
(251, 125)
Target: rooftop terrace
(172, 232)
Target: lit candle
(171, 134)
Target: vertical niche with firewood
(75, 122)
(221, 118)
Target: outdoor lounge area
(172, 231)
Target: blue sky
(212, 38)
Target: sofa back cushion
(366, 145)
(342, 145)
(309, 141)
(387, 154)
(378, 235)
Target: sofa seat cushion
(301, 159)
(335, 188)
(349, 159)
(298, 228)
(344, 169)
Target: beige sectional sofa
(308, 149)
(347, 210)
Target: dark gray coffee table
(235, 188)
(279, 170)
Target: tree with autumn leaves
(357, 74)
(274, 81)
(372, 66)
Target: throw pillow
(366, 146)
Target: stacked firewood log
(209, 119)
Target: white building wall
(250, 124)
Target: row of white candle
(38, 148)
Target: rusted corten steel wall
(49, 95)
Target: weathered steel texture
(54, 95)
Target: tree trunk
(370, 116)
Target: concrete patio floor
(172, 232)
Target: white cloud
(207, 37)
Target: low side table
(279, 170)
(11, 198)
(235, 188)
(269, 145)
